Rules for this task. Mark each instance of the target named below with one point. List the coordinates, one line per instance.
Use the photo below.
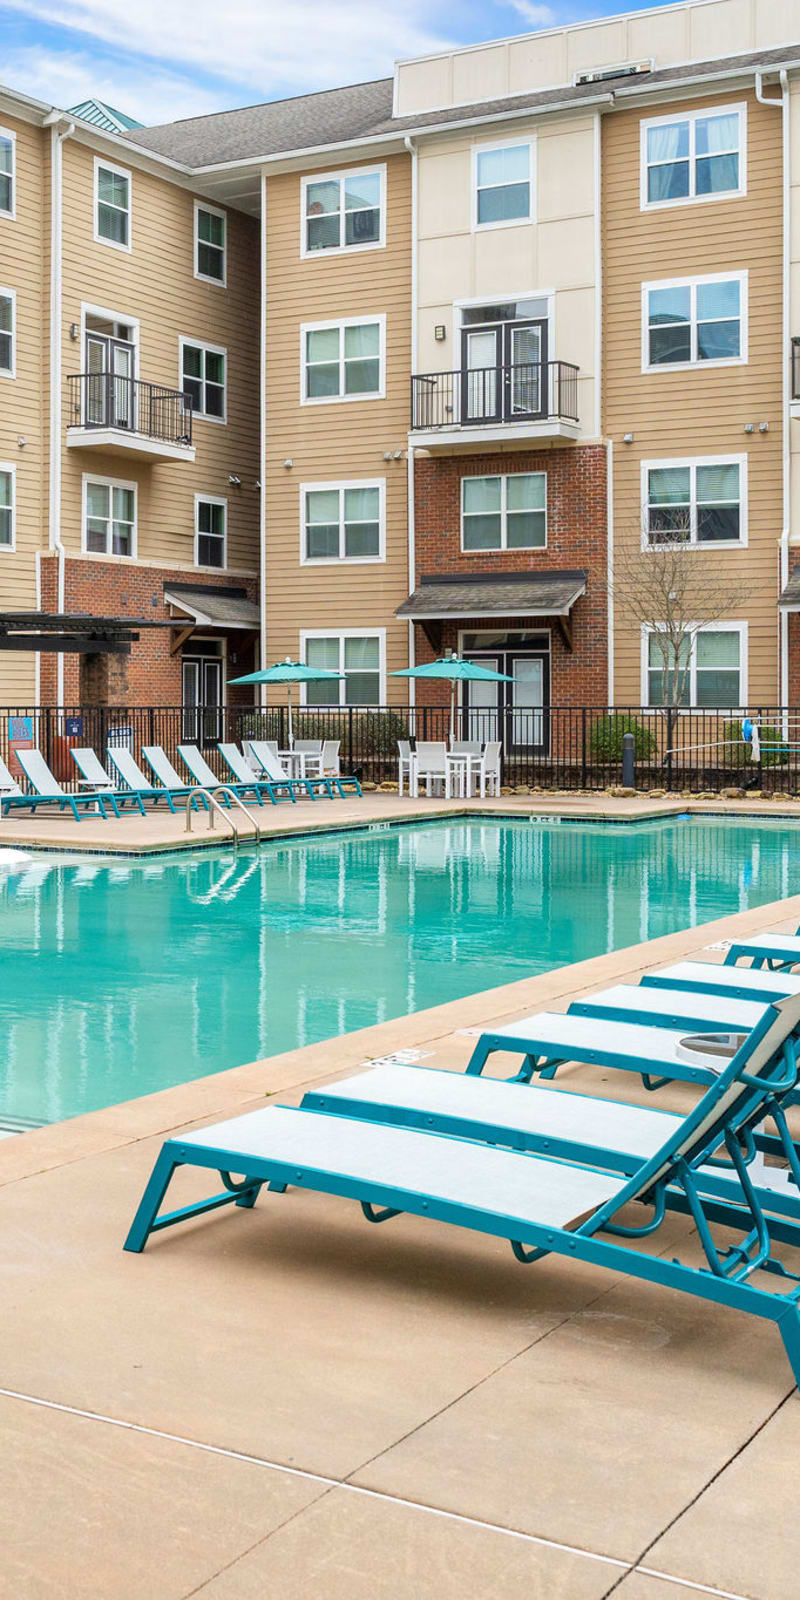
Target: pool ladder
(214, 807)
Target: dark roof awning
(491, 594)
(71, 634)
(213, 607)
(790, 598)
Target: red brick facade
(576, 539)
(151, 674)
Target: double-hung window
(210, 532)
(710, 669)
(112, 205)
(7, 333)
(700, 156)
(344, 211)
(7, 172)
(210, 227)
(359, 657)
(109, 521)
(203, 378)
(503, 184)
(7, 487)
(700, 502)
(687, 321)
(342, 521)
(343, 360)
(504, 513)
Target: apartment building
(411, 366)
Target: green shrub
(605, 739)
(375, 733)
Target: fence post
(628, 761)
(584, 770)
(349, 738)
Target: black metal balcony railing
(796, 369)
(532, 391)
(109, 400)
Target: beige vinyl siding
(336, 442)
(697, 412)
(22, 402)
(155, 283)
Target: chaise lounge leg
(789, 1325)
(150, 1203)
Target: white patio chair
(403, 764)
(330, 765)
(465, 747)
(311, 749)
(431, 764)
(490, 769)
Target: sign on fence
(73, 727)
(120, 737)
(20, 737)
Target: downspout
(598, 400)
(784, 107)
(412, 526)
(262, 447)
(56, 283)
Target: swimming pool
(121, 977)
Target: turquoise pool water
(118, 978)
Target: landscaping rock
(388, 787)
(368, 788)
(622, 794)
(732, 794)
(656, 794)
(521, 788)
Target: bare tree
(674, 590)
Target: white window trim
(11, 294)
(342, 323)
(216, 350)
(107, 315)
(213, 500)
(120, 172)
(692, 117)
(503, 144)
(459, 306)
(11, 216)
(10, 467)
(661, 367)
(213, 211)
(342, 634)
(109, 483)
(340, 485)
(693, 462)
(333, 177)
(503, 547)
(742, 628)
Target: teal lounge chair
(47, 791)
(161, 765)
(91, 768)
(541, 1206)
(270, 765)
(135, 780)
(776, 951)
(708, 977)
(246, 778)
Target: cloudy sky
(158, 60)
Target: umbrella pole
(291, 729)
(452, 711)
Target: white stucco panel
(566, 173)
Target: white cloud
(268, 46)
(65, 78)
(535, 15)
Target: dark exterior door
(504, 371)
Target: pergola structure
(70, 634)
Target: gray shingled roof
(534, 594)
(791, 594)
(364, 110)
(230, 609)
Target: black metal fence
(112, 400)
(470, 396)
(556, 748)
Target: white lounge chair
(92, 770)
(246, 779)
(48, 791)
(135, 780)
(166, 774)
(270, 764)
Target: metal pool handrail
(213, 806)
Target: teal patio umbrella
(455, 670)
(288, 672)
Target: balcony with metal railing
(111, 414)
(473, 406)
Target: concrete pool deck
(287, 1401)
(160, 830)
